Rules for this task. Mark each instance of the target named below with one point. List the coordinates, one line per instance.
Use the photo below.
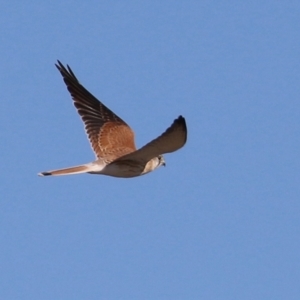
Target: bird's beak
(164, 164)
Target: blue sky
(222, 220)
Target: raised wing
(171, 140)
(109, 135)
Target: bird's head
(161, 161)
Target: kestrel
(113, 140)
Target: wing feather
(109, 135)
(171, 140)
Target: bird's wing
(171, 140)
(109, 135)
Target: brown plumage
(109, 135)
(113, 140)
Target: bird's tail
(68, 171)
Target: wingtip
(59, 65)
(181, 121)
(65, 71)
(181, 118)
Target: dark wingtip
(61, 68)
(181, 118)
(44, 174)
(181, 121)
(66, 72)
(59, 65)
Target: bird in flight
(113, 140)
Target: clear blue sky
(222, 220)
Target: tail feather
(67, 171)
